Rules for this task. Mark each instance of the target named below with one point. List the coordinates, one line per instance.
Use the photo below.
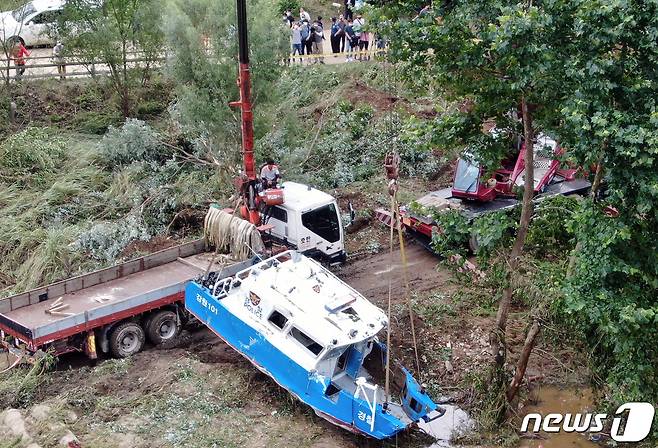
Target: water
(552, 399)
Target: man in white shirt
(304, 15)
(269, 174)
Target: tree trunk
(522, 364)
(497, 338)
(125, 93)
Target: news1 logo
(638, 422)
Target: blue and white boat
(315, 336)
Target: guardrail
(76, 66)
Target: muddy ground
(200, 393)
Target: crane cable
(391, 164)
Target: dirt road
(371, 275)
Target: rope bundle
(229, 233)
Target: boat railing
(363, 387)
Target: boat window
(278, 320)
(306, 341)
(466, 176)
(332, 390)
(415, 405)
(340, 365)
(323, 222)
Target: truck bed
(472, 209)
(102, 296)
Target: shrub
(106, 240)
(150, 108)
(31, 151)
(134, 141)
(92, 122)
(288, 5)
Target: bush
(288, 5)
(92, 122)
(150, 108)
(134, 141)
(31, 151)
(105, 241)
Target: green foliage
(30, 152)
(19, 386)
(106, 240)
(612, 297)
(202, 37)
(150, 108)
(549, 230)
(493, 231)
(288, 5)
(134, 141)
(107, 34)
(96, 122)
(453, 232)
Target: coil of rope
(228, 233)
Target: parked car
(31, 23)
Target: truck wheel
(126, 339)
(163, 327)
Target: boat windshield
(466, 176)
(19, 14)
(323, 222)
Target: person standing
(357, 25)
(352, 40)
(335, 36)
(306, 37)
(19, 53)
(349, 9)
(364, 44)
(296, 36)
(58, 58)
(342, 25)
(304, 15)
(288, 19)
(318, 37)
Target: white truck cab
(308, 221)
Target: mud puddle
(552, 399)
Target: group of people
(346, 35)
(19, 54)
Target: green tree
(585, 71)
(498, 59)
(611, 122)
(111, 34)
(202, 35)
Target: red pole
(244, 83)
(250, 180)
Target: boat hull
(342, 409)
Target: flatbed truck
(114, 310)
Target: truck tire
(163, 327)
(126, 339)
